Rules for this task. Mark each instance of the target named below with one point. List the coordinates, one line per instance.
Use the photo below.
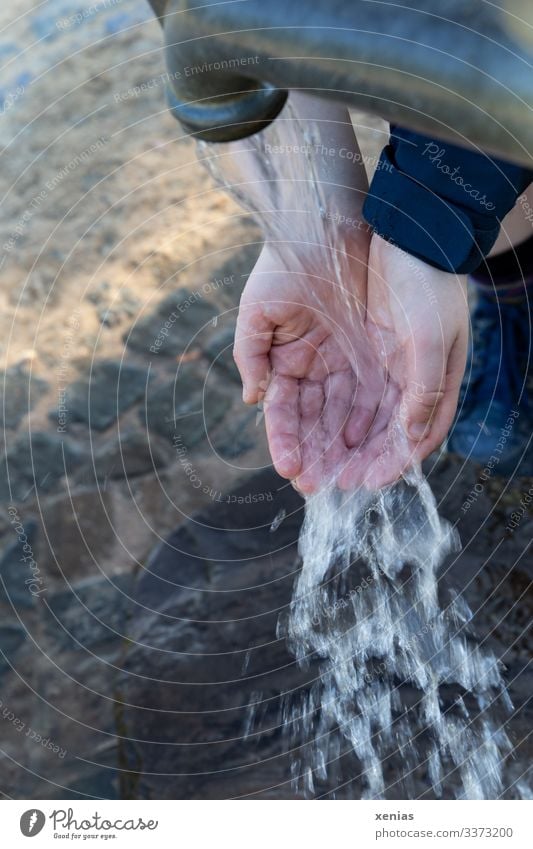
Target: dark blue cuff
(439, 202)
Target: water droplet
(278, 520)
(246, 662)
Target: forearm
(330, 154)
(304, 173)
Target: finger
(356, 470)
(387, 404)
(386, 469)
(402, 456)
(361, 416)
(377, 448)
(282, 421)
(352, 473)
(253, 340)
(339, 395)
(386, 456)
(424, 388)
(377, 443)
(311, 437)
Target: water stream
(402, 683)
(402, 679)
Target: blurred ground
(121, 270)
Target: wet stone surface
(170, 681)
(125, 456)
(214, 603)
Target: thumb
(431, 400)
(423, 409)
(441, 419)
(425, 390)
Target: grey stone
(125, 456)
(111, 388)
(37, 462)
(239, 266)
(99, 294)
(237, 437)
(11, 638)
(169, 329)
(109, 317)
(481, 527)
(208, 595)
(185, 409)
(81, 780)
(14, 570)
(20, 391)
(112, 308)
(80, 533)
(89, 615)
(203, 621)
(97, 781)
(219, 351)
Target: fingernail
(418, 429)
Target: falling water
(402, 685)
(401, 678)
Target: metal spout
(451, 69)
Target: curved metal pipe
(445, 67)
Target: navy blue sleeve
(440, 202)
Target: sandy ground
(131, 213)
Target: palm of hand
(340, 390)
(313, 409)
(297, 352)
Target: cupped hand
(360, 381)
(298, 350)
(417, 325)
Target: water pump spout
(451, 69)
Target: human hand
(417, 324)
(297, 346)
(349, 398)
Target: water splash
(278, 519)
(401, 679)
